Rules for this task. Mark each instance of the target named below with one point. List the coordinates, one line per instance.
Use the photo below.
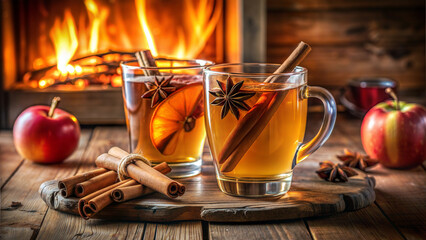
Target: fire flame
(64, 38)
(180, 36)
(201, 24)
(192, 34)
(97, 17)
(141, 11)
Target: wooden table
(399, 211)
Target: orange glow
(42, 83)
(78, 69)
(141, 11)
(116, 81)
(97, 17)
(201, 25)
(70, 68)
(80, 83)
(38, 63)
(180, 31)
(64, 38)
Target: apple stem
(53, 106)
(394, 96)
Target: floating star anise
(230, 98)
(159, 90)
(335, 172)
(356, 160)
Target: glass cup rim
(206, 64)
(209, 70)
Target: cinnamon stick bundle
(99, 202)
(143, 174)
(122, 194)
(95, 183)
(120, 153)
(125, 193)
(67, 186)
(252, 124)
(96, 187)
(94, 203)
(85, 200)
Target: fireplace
(73, 49)
(349, 40)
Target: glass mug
(255, 124)
(365, 92)
(164, 112)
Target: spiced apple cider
(165, 116)
(256, 117)
(271, 154)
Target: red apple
(46, 135)
(394, 133)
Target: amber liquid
(139, 114)
(272, 153)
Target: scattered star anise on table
(335, 172)
(231, 98)
(356, 160)
(159, 90)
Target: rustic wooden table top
(399, 211)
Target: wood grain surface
(10, 158)
(397, 213)
(309, 196)
(352, 39)
(21, 188)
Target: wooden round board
(309, 196)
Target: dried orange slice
(177, 113)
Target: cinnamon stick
(252, 124)
(67, 185)
(99, 202)
(95, 183)
(122, 193)
(96, 202)
(84, 201)
(244, 126)
(145, 59)
(182, 189)
(120, 153)
(143, 174)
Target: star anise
(335, 172)
(159, 90)
(230, 98)
(356, 160)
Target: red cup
(365, 93)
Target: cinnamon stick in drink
(253, 123)
(145, 59)
(234, 158)
(143, 174)
(244, 126)
(67, 185)
(95, 183)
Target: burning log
(95, 69)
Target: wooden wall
(352, 38)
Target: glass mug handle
(327, 125)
